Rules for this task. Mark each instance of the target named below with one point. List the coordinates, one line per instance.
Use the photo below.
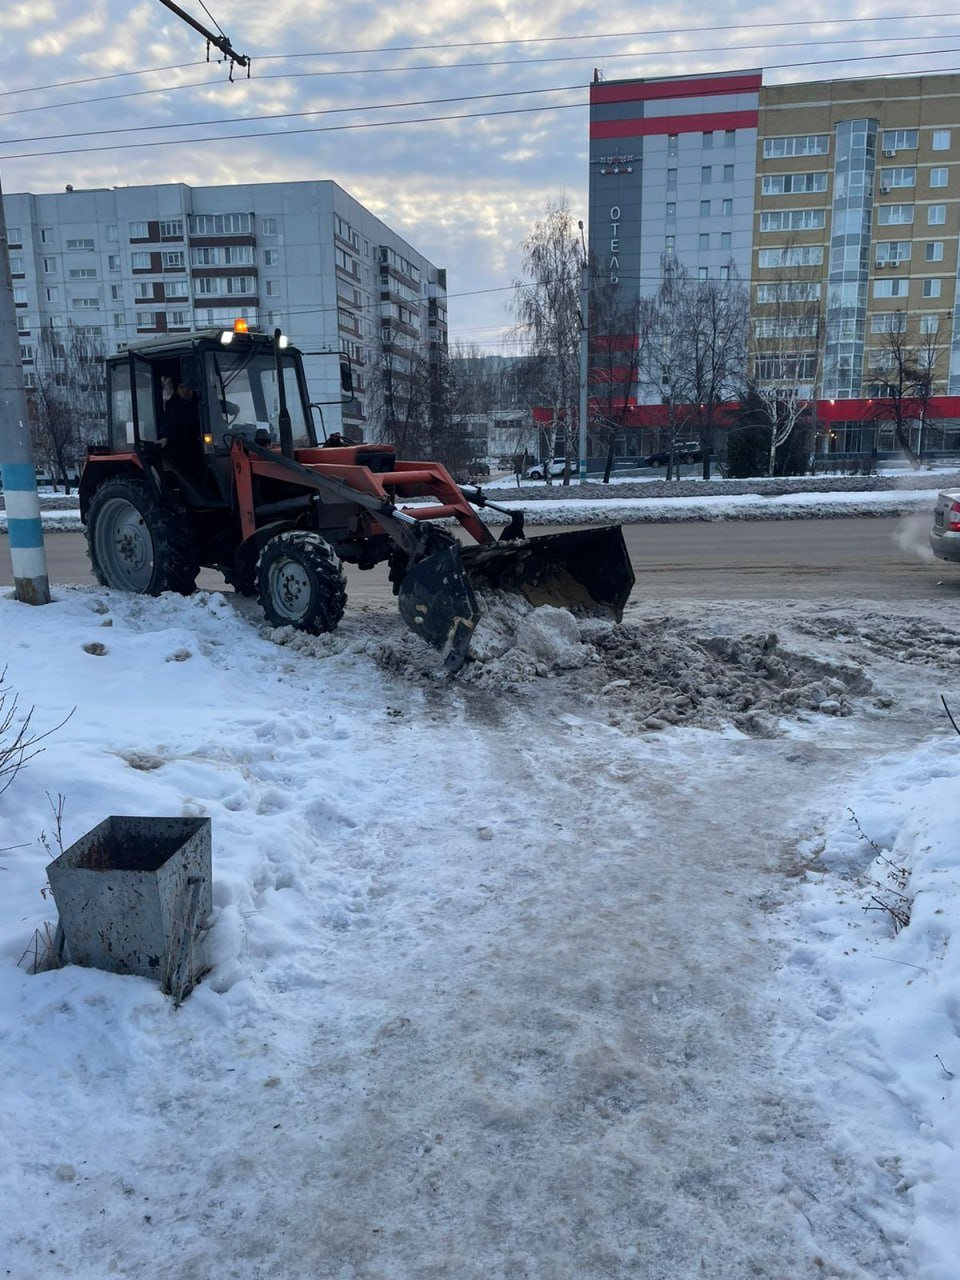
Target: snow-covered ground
(584, 964)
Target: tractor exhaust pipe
(286, 430)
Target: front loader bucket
(588, 571)
(437, 602)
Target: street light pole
(17, 470)
(584, 354)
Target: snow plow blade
(588, 572)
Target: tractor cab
(235, 382)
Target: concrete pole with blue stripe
(29, 560)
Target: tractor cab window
(243, 395)
(121, 405)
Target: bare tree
(68, 401)
(547, 313)
(784, 361)
(907, 374)
(618, 338)
(696, 351)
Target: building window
(116, 292)
(941, 140)
(26, 351)
(793, 220)
(74, 245)
(728, 173)
(172, 229)
(793, 291)
(16, 264)
(805, 255)
(891, 288)
(273, 288)
(49, 266)
(704, 208)
(86, 304)
(704, 241)
(726, 208)
(706, 174)
(177, 320)
(119, 322)
(891, 252)
(701, 273)
(891, 179)
(931, 288)
(936, 215)
(268, 226)
(933, 251)
(46, 235)
(176, 289)
(29, 379)
(111, 233)
(23, 324)
(146, 319)
(113, 262)
(708, 140)
(83, 273)
(13, 237)
(809, 144)
(729, 137)
(220, 224)
(672, 143)
(724, 273)
(889, 322)
(899, 140)
(929, 324)
(139, 231)
(670, 244)
(53, 294)
(140, 261)
(271, 257)
(938, 177)
(895, 215)
(172, 259)
(779, 184)
(671, 179)
(725, 239)
(143, 289)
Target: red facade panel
(645, 128)
(656, 91)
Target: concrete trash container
(133, 894)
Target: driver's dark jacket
(180, 427)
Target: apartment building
(129, 262)
(836, 203)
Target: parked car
(687, 451)
(945, 534)
(557, 467)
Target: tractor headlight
(226, 337)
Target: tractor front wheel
(140, 542)
(301, 583)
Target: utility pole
(17, 470)
(584, 353)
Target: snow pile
(871, 958)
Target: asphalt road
(879, 559)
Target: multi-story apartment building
(132, 262)
(836, 203)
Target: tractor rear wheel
(301, 583)
(139, 542)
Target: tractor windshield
(241, 394)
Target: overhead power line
(461, 66)
(385, 124)
(478, 44)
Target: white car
(557, 467)
(945, 534)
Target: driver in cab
(180, 432)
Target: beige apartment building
(856, 225)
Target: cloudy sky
(454, 123)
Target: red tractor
(213, 461)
